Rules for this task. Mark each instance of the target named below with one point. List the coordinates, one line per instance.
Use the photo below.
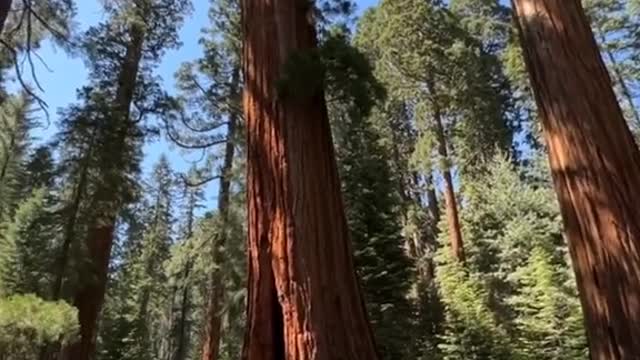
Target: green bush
(28, 322)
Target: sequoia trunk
(596, 169)
(304, 301)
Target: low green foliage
(27, 323)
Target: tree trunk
(5, 8)
(90, 295)
(70, 225)
(213, 330)
(182, 342)
(450, 201)
(89, 298)
(595, 166)
(624, 88)
(432, 203)
(304, 300)
(180, 331)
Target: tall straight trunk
(450, 201)
(179, 341)
(595, 166)
(90, 295)
(5, 8)
(213, 327)
(182, 342)
(304, 300)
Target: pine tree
(23, 270)
(614, 26)
(213, 84)
(511, 215)
(372, 205)
(180, 274)
(471, 331)
(143, 294)
(548, 314)
(457, 122)
(123, 93)
(15, 139)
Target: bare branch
(41, 103)
(198, 183)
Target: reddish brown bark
(213, 325)
(596, 169)
(304, 302)
(450, 201)
(90, 297)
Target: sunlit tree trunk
(304, 301)
(596, 169)
(450, 201)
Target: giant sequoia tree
(304, 301)
(594, 163)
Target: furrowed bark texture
(304, 301)
(596, 169)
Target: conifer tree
(614, 28)
(123, 93)
(548, 317)
(23, 241)
(16, 123)
(213, 86)
(142, 294)
(372, 201)
(455, 120)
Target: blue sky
(64, 74)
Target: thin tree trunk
(624, 88)
(182, 324)
(432, 203)
(304, 301)
(90, 295)
(70, 226)
(5, 8)
(213, 330)
(182, 342)
(450, 201)
(595, 166)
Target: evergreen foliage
(27, 322)
(414, 78)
